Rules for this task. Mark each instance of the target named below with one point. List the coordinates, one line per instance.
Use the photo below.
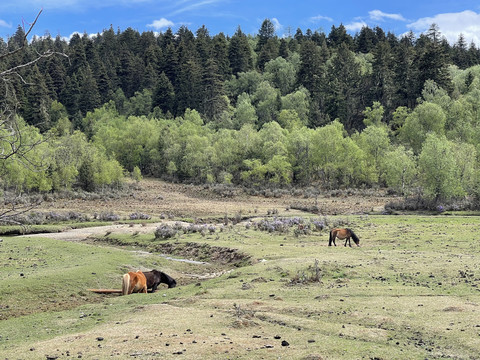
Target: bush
(313, 274)
(106, 216)
(165, 232)
(50, 217)
(139, 216)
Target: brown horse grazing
(134, 282)
(155, 278)
(343, 234)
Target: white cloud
(451, 25)
(3, 23)
(160, 24)
(356, 26)
(193, 5)
(381, 16)
(277, 24)
(68, 38)
(320, 18)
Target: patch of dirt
(200, 252)
(159, 198)
(205, 252)
(83, 233)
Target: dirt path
(81, 234)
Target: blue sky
(65, 17)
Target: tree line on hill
(335, 110)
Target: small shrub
(106, 216)
(313, 274)
(139, 216)
(165, 232)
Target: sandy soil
(157, 198)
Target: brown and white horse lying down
(141, 281)
(134, 282)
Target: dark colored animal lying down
(155, 278)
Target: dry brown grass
(156, 198)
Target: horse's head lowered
(155, 278)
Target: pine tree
(213, 95)
(104, 84)
(239, 53)
(78, 58)
(38, 102)
(460, 53)
(188, 87)
(266, 33)
(405, 74)
(344, 81)
(283, 48)
(312, 76)
(89, 98)
(432, 63)
(339, 36)
(71, 94)
(382, 75)
(268, 52)
(473, 54)
(366, 40)
(57, 72)
(170, 67)
(164, 95)
(203, 45)
(220, 54)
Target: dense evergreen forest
(313, 109)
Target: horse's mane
(354, 237)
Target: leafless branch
(24, 39)
(13, 140)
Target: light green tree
(353, 169)
(255, 172)
(373, 115)
(399, 169)
(279, 170)
(299, 102)
(136, 174)
(375, 142)
(266, 100)
(326, 149)
(281, 74)
(67, 154)
(288, 119)
(244, 112)
(427, 117)
(299, 147)
(273, 141)
(438, 169)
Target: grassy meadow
(411, 291)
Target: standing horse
(134, 282)
(155, 277)
(343, 234)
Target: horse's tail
(125, 284)
(330, 239)
(354, 237)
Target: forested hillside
(330, 110)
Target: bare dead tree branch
(13, 142)
(8, 54)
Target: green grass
(47, 228)
(411, 291)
